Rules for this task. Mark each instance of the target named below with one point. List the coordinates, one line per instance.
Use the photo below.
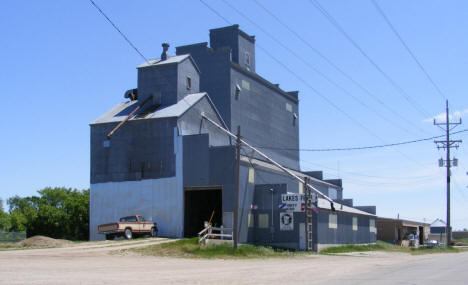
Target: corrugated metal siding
(344, 234)
(158, 200)
(140, 143)
(192, 123)
(265, 121)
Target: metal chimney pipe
(165, 53)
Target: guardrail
(212, 233)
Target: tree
(4, 218)
(56, 212)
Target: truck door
(140, 223)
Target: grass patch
(388, 247)
(461, 241)
(352, 248)
(189, 248)
(434, 249)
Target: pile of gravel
(43, 241)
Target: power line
(216, 12)
(362, 147)
(301, 79)
(118, 30)
(392, 27)
(308, 64)
(335, 23)
(353, 173)
(396, 183)
(318, 92)
(335, 66)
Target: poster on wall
(286, 221)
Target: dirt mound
(43, 241)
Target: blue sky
(63, 65)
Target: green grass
(352, 248)
(388, 247)
(461, 241)
(189, 248)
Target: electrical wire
(306, 83)
(118, 30)
(460, 190)
(393, 183)
(335, 23)
(336, 67)
(313, 68)
(362, 147)
(411, 53)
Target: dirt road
(92, 263)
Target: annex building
(167, 163)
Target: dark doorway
(199, 206)
(421, 235)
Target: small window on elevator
(188, 83)
(247, 59)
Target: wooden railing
(211, 232)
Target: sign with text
(294, 202)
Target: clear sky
(62, 65)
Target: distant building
(396, 230)
(170, 165)
(438, 226)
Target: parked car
(432, 242)
(129, 227)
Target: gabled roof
(171, 60)
(122, 110)
(438, 223)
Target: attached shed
(396, 230)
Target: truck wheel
(128, 234)
(154, 232)
(109, 237)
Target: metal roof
(403, 222)
(274, 167)
(438, 223)
(170, 60)
(122, 110)
(324, 204)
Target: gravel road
(97, 263)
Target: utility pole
(447, 145)
(236, 199)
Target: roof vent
(165, 53)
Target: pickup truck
(128, 227)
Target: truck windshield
(142, 219)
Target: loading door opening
(199, 205)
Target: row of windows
(333, 223)
(263, 222)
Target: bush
(4, 218)
(56, 212)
